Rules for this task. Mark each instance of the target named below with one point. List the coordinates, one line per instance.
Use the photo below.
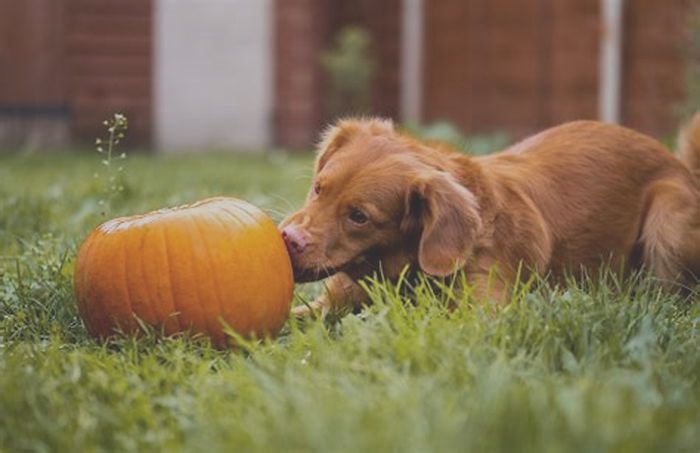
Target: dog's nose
(294, 239)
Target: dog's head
(379, 201)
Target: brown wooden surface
(514, 66)
(109, 48)
(32, 54)
(306, 28)
(489, 65)
(301, 28)
(522, 66)
(654, 63)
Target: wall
(307, 28)
(197, 74)
(108, 48)
(653, 63)
(302, 29)
(522, 66)
(212, 74)
(34, 109)
(516, 66)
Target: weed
(351, 69)
(114, 171)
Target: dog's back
(689, 146)
(603, 189)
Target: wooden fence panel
(522, 66)
(109, 49)
(33, 92)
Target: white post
(610, 65)
(411, 94)
(213, 69)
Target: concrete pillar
(212, 74)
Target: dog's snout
(294, 239)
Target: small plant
(447, 132)
(114, 174)
(351, 70)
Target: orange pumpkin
(191, 268)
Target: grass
(606, 366)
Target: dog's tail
(689, 146)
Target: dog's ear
(343, 131)
(447, 216)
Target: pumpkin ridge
(127, 291)
(232, 214)
(140, 299)
(173, 313)
(242, 209)
(194, 310)
(200, 300)
(146, 238)
(215, 272)
(249, 219)
(177, 313)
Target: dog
(567, 200)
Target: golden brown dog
(568, 199)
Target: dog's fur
(566, 200)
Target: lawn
(606, 366)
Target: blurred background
(196, 75)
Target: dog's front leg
(488, 288)
(342, 293)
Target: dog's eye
(358, 217)
(317, 188)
